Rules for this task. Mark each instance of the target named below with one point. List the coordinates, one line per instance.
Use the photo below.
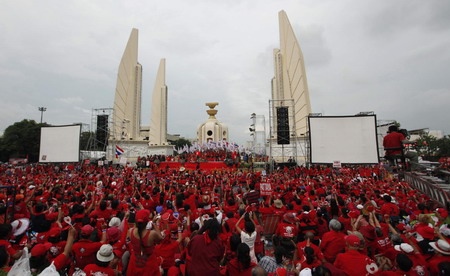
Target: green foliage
(21, 139)
(432, 147)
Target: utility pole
(42, 110)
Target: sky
(389, 57)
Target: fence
(440, 192)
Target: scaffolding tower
(282, 153)
(101, 127)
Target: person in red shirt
(333, 242)
(168, 247)
(84, 250)
(442, 254)
(5, 234)
(101, 266)
(352, 261)
(286, 233)
(393, 144)
(309, 237)
(389, 208)
(241, 265)
(206, 251)
(39, 255)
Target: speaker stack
(283, 126)
(102, 130)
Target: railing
(439, 192)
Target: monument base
(134, 149)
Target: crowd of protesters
(108, 220)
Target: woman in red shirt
(242, 264)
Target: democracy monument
(289, 93)
(127, 131)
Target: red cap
(353, 214)
(426, 232)
(142, 215)
(87, 230)
(54, 232)
(442, 212)
(401, 226)
(353, 240)
(113, 234)
(40, 249)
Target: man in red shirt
(85, 249)
(442, 254)
(104, 256)
(393, 144)
(333, 241)
(353, 262)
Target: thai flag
(119, 151)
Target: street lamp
(42, 110)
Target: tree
(432, 148)
(21, 139)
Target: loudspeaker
(283, 126)
(102, 130)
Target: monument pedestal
(134, 149)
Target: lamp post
(42, 110)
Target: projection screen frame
(79, 144)
(342, 116)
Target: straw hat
(278, 203)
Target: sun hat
(404, 247)
(114, 222)
(19, 226)
(105, 253)
(441, 246)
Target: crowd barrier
(439, 192)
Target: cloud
(360, 56)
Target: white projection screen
(60, 144)
(348, 139)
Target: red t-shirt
(354, 263)
(85, 251)
(91, 269)
(332, 243)
(234, 268)
(167, 251)
(393, 140)
(11, 251)
(205, 256)
(286, 230)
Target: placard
(265, 189)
